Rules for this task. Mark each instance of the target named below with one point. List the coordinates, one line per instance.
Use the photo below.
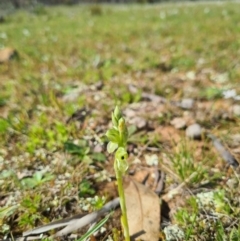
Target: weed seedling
(118, 136)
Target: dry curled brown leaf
(143, 211)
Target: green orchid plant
(118, 136)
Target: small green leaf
(74, 149)
(7, 211)
(38, 176)
(123, 130)
(48, 177)
(111, 147)
(131, 130)
(29, 182)
(114, 120)
(113, 135)
(98, 156)
(37, 179)
(117, 113)
(6, 174)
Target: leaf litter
(143, 211)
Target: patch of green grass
(211, 93)
(85, 188)
(207, 213)
(3, 126)
(185, 165)
(30, 207)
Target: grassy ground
(77, 57)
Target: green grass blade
(95, 228)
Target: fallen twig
(171, 194)
(71, 224)
(224, 153)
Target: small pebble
(194, 131)
(138, 121)
(224, 153)
(235, 139)
(236, 110)
(6, 54)
(232, 183)
(178, 123)
(173, 232)
(187, 104)
(152, 160)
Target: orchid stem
(124, 220)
